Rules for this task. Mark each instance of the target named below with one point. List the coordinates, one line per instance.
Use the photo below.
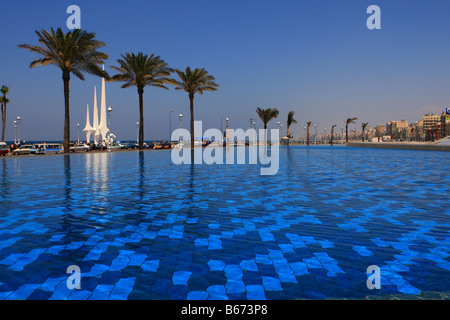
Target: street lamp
(180, 116)
(78, 129)
(170, 125)
(325, 138)
(15, 131)
(137, 135)
(19, 120)
(315, 136)
(109, 118)
(250, 142)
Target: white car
(80, 147)
(25, 149)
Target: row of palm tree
(77, 52)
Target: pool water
(140, 227)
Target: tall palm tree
(266, 115)
(4, 101)
(347, 122)
(332, 133)
(74, 52)
(140, 71)
(363, 127)
(192, 82)
(308, 124)
(290, 121)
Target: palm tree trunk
(191, 100)
(3, 121)
(141, 119)
(332, 133)
(346, 133)
(66, 142)
(307, 136)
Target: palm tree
(266, 115)
(192, 82)
(140, 71)
(347, 122)
(308, 124)
(332, 133)
(4, 101)
(74, 52)
(290, 121)
(363, 127)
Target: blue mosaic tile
(197, 295)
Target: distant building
(398, 130)
(432, 126)
(445, 123)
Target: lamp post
(78, 130)
(109, 118)
(221, 126)
(137, 135)
(228, 133)
(15, 132)
(250, 142)
(19, 120)
(170, 125)
(325, 137)
(315, 136)
(180, 116)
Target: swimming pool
(140, 227)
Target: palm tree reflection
(4, 184)
(67, 184)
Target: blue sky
(314, 57)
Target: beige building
(398, 130)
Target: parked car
(25, 149)
(80, 147)
(163, 145)
(126, 145)
(4, 150)
(43, 148)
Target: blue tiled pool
(140, 227)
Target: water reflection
(4, 184)
(67, 184)
(97, 177)
(141, 182)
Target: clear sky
(314, 57)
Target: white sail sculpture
(95, 124)
(99, 128)
(88, 129)
(103, 128)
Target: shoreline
(422, 146)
